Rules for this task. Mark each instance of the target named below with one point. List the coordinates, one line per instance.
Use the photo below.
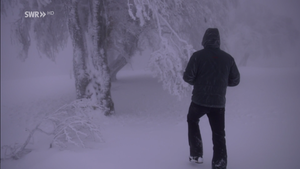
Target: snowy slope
(149, 130)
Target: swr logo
(34, 14)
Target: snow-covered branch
(70, 125)
(168, 61)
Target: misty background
(263, 52)
(263, 115)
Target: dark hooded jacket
(210, 71)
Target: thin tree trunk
(244, 60)
(115, 66)
(79, 52)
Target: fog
(262, 117)
(35, 65)
(288, 8)
(39, 65)
(265, 33)
(283, 7)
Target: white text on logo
(34, 14)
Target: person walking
(210, 71)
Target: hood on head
(211, 38)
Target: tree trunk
(115, 66)
(244, 60)
(91, 71)
(79, 52)
(100, 82)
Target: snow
(149, 129)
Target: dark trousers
(217, 124)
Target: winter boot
(198, 160)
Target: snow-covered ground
(149, 129)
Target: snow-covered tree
(89, 35)
(172, 29)
(175, 30)
(124, 36)
(87, 23)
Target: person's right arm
(190, 72)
